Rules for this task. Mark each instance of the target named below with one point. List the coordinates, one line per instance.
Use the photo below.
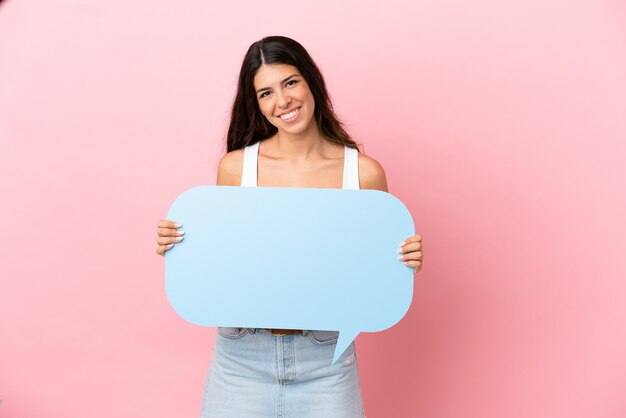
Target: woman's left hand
(411, 252)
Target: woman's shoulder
(230, 169)
(371, 174)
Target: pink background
(501, 125)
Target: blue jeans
(255, 374)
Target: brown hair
(248, 125)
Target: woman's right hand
(168, 234)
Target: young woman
(284, 133)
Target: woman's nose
(283, 100)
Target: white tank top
(350, 167)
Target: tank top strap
(250, 157)
(350, 168)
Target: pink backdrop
(501, 125)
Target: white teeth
(289, 115)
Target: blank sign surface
(290, 258)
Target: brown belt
(281, 332)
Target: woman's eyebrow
(284, 81)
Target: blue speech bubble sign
(290, 258)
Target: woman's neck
(300, 147)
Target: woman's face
(284, 97)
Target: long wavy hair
(248, 125)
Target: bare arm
(371, 174)
(230, 169)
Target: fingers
(167, 228)
(412, 259)
(167, 235)
(416, 255)
(412, 239)
(416, 246)
(164, 223)
(411, 252)
(416, 265)
(162, 248)
(168, 240)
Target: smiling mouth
(289, 116)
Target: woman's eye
(263, 94)
(291, 81)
